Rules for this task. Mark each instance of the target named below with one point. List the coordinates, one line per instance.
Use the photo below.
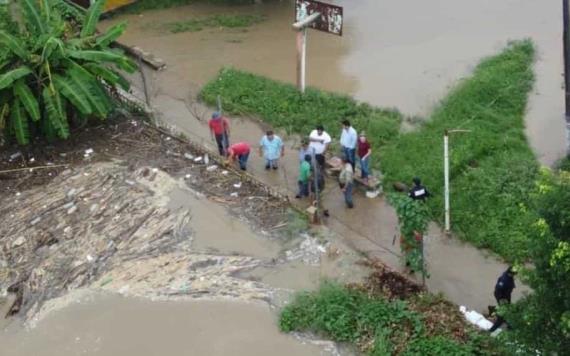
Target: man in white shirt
(348, 140)
(319, 142)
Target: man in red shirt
(239, 151)
(220, 131)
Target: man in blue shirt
(271, 147)
(348, 140)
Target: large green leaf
(78, 97)
(27, 98)
(55, 112)
(19, 123)
(97, 56)
(111, 34)
(10, 77)
(13, 44)
(34, 22)
(46, 10)
(108, 75)
(88, 84)
(3, 114)
(93, 14)
(52, 44)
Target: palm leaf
(108, 75)
(13, 44)
(19, 123)
(51, 45)
(73, 93)
(92, 17)
(34, 22)
(46, 10)
(88, 84)
(111, 34)
(97, 56)
(28, 100)
(55, 112)
(127, 65)
(10, 77)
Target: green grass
(376, 325)
(219, 21)
(146, 5)
(493, 170)
(283, 106)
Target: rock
(19, 241)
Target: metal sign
(331, 18)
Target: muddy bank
(102, 324)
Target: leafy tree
(55, 73)
(542, 320)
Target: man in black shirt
(418, 191)
(503, 290)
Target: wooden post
(566, 45)
(446, 178)
(301, 58)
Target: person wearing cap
(364, 152)
(319, 143)
(503, 291)
(240, 152)
(418, 191)
(271, 147)
(304, 150)
(348, 141)
(220, 131)
(346, 182)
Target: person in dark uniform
(503, 291)
(418, 191)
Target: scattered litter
(234, 195)
(89, 151)
(72, 210)
(70, 194)
(154, 170)
(36, 220)
(18, 194)
(68, 205)
(49, 164)
(212, 168)
(188, 176)
(206, 159)
(188, 156)
(93, 208)
(225, 173)
(237, 185)
(90, 258)
(15, 155)
(19, 241)
(372, 194)
(198, 159)
(32, 160)
(130, 182)
(63, 154)
(168, 138)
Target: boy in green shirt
(304, 176)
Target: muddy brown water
(393, 53)
(114, 325)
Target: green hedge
(493, 170)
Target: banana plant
(56, 74)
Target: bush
(283, 106)
(436, 346)
(492, 167)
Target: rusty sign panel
(331, 18)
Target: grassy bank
(282, 106)
(145, 5)
(377, 326)
(218, 21)
(493, 170)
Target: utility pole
(301, 28)
(446, 177)
(566, 46)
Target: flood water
(113, 325)
(394, 53)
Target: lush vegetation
(493, 170)
(55, 72)
(283, 106)
(219, 21)
(376, 325)
(413, 217)
(541, 321)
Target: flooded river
(393, 53)
(113, 325)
